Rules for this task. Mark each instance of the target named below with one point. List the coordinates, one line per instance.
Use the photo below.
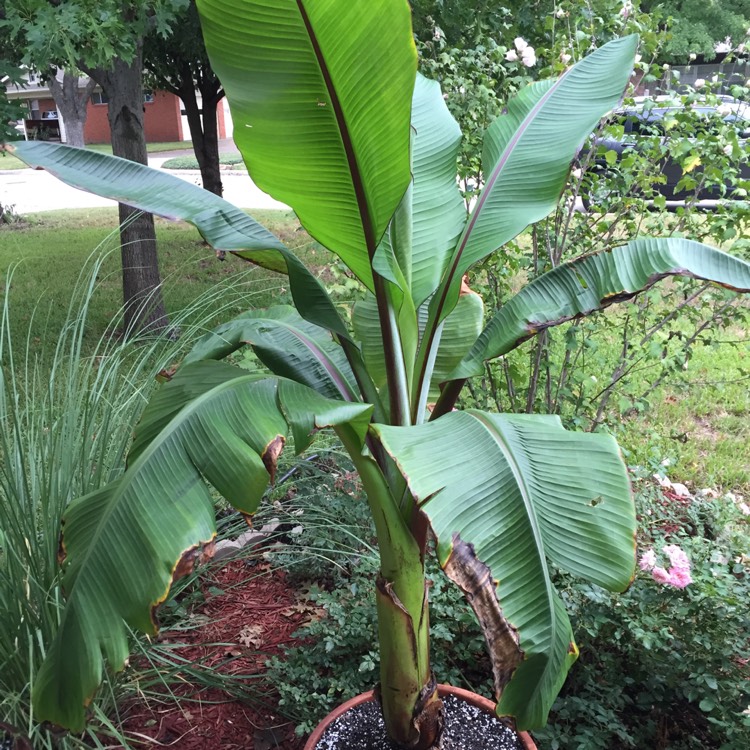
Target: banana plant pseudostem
(332, 119)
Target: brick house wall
(162, 121)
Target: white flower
(438, 34)
(511, 55)
(665, 66)
(747, 83)
(744, 509)
(715, 79)
(627, 9)
(528, 57)
(560, 13)
(565, 58)
(692, 56)
(725, 46)
(723, 110)
(638, 58)
(576, 173)
(699, 83)
(521, 43)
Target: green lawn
(7, 161)
(152, 148)
(701, 425)
(48, 253)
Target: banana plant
(333, 119)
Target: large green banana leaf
(288, 345)
(309, 116)
(213, 424)
(593, 282)
(435, 214)
(423, 231)
(222, 225)
(505, 495)
(527, 154)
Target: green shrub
(8, 213)
(659, 667)
(190, 162)
(662, 667)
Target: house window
(99, 97)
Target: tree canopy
(178, 62)
(9, 110)
(104, 39)
(89, 32)
(698, 25)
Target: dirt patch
(249, 614)
(704, 430)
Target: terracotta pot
(443, 690)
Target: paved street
(32, 190)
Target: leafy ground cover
(642, 679)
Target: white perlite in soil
(466, 728)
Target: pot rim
(477, 700)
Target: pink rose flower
(679, 578)
(678, 574)
(648, 560)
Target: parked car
(670, 120)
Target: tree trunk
(204, 134)
(141, 283)
(211, 168)
(71, 100)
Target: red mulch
(254, 616)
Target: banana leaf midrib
(355, 173)
(497, 436)
(496, 172)
(338, 377)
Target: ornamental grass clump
(66, 412)
(332, 119)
